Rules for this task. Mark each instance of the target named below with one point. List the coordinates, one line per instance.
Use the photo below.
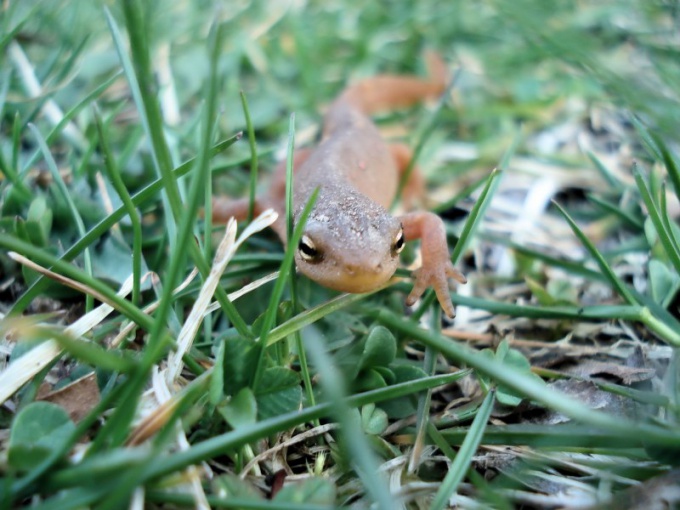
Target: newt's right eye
(308, 250)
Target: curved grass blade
(665, 237)
(614, 280)
(528, 386)
(461, 463)
(117, 181)
(77, 219)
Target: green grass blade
(96, 232)
(68, 117)
(188, 500)
(63, 190)
(425, 400)
(286, 267)
(116, 428)
(302, 354)
(312, 315)
(606, 269)
(476, 215)
(463, 458)
(230, 441)
(92, 354)
(667, 220)
(250, 129)
(647, 139)
(142, 87)
(430, 125)
(611, 180)
(117, 181)
(616, 210)
(670, 162)
(357, 448)
(665, 237)
(527, 386)
(465, 192)
(8, 36)
(102, 291)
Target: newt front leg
(437, 267)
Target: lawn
(152, 359)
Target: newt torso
(351, 242)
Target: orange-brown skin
(351, 242)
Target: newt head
(350, 243)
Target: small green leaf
(373, 420)
(241, 410)
(663, 282)
(562, 291)
(380, 348)
(279, 392)
(506, 397)
(39, 222)
(401, 407)
(39, 429)
(369, 380)
(239, 362)
(387, 374)
(512, 358)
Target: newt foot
(433, 276)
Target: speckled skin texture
(354, 237)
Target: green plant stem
(117, 181)
(142, 83)
(250, 129)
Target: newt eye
(308, 250)
(398, 243)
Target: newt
(351, 242)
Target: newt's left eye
(308, 251)
(398, 243)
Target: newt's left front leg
(437, 267)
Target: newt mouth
(352, 279)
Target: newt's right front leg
(437, 267)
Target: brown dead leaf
(78, 398)
(589, 394)
(628, 375)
